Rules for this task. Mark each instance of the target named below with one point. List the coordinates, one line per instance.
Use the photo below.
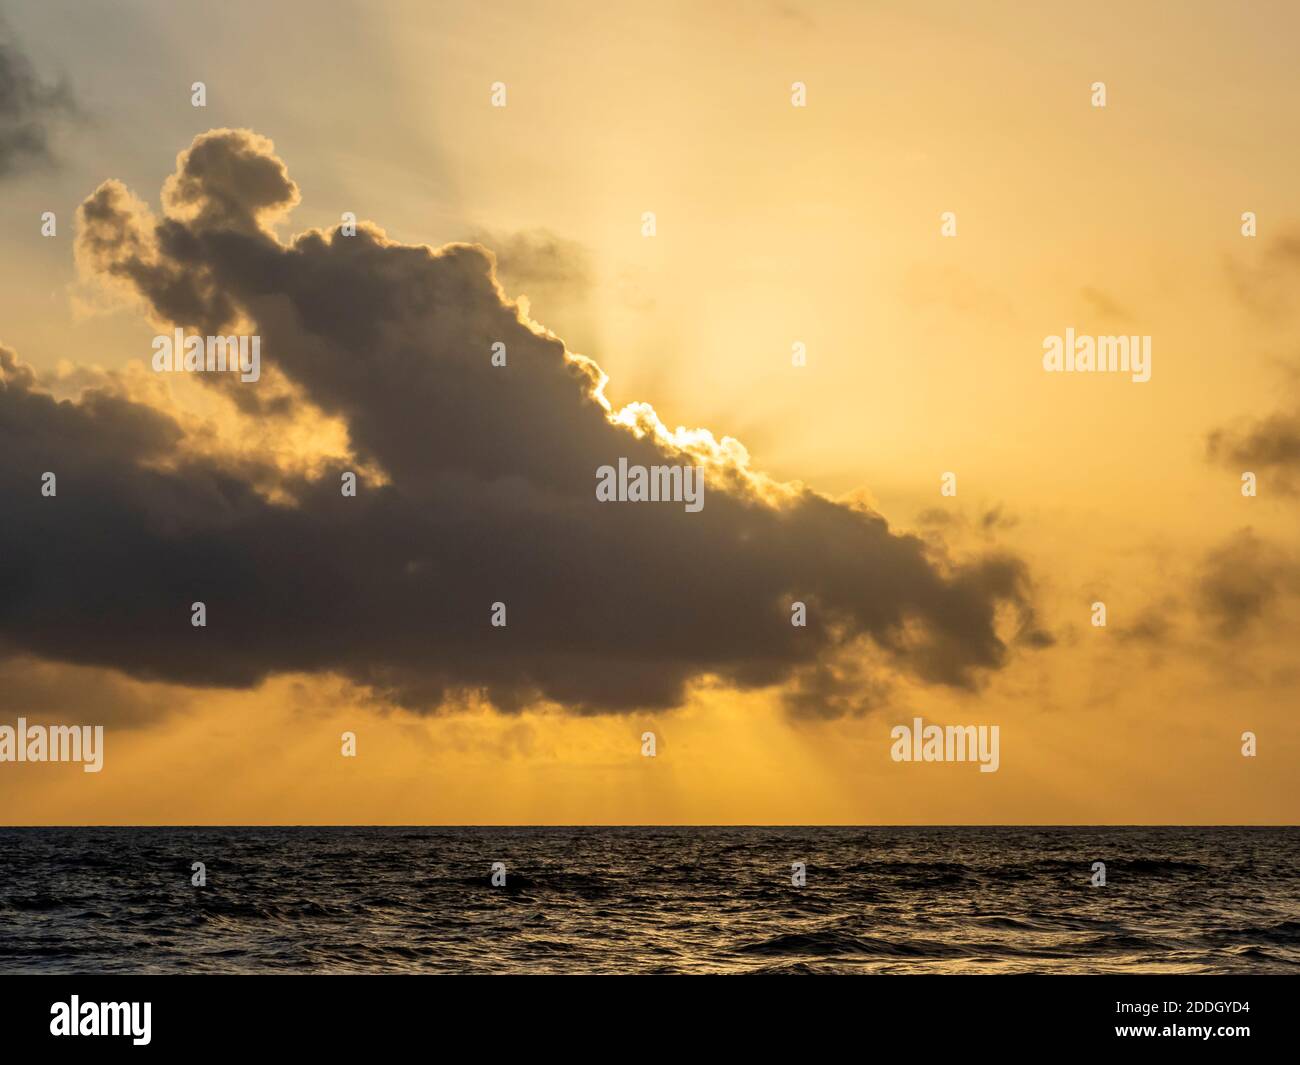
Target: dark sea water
(649, 900)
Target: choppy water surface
(649, 900)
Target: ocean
(649, 900)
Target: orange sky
(775, 225)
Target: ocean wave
(640, 901)
(832, 944)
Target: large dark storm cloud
(490, 496)
(28, 107)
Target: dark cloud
(490, 495)
(229, 183)
(1268, 447)
(1242, 580)
(1154, 624)
(44, 691)
(28, 108)
(847, 684)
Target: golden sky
(774, 225)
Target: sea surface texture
(649, 900)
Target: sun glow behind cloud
(777, 227)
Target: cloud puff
(28, 107)
(1268, 447)
(1242, 580)
(487, 494)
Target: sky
(950, 196)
